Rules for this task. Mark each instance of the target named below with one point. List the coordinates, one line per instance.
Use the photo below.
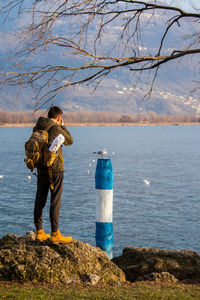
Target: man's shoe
(57, 237)
(41, 235)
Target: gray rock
(137, 263)
(92, 279)
(24, 259)
(159, 277)
(30, 236)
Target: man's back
(53, 131)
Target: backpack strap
(50, 173)
(61, 158)
(48, 127)
(59, 155)
(50, 170)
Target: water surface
(164, 213)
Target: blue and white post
(104, 205)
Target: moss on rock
(24, 259)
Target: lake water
(163, 214)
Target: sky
(185, 4)
(14, 22)
(7, 41)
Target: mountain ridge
(119, 93)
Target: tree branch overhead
(92, 39)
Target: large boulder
(157, 264)
(24, 259)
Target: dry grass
(144, 290)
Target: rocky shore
(172, 266)
(26, 260)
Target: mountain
(118, 92)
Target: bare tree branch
(79, 31)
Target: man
(54, 125)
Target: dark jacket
(53, 130)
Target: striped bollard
(104, 205)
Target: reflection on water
(156, 185)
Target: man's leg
(56, 236)
(40, 199)
(56, 195)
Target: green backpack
(36, 150)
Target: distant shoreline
(103, 124)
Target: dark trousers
(43, 186)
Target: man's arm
(55, 130)
(68, 138)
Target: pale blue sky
(185, 4)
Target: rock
(159, 277)
(138, 263)
(91, 278)
(24, 259)
(30, 236)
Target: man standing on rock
(54, 125)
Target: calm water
(163, 214)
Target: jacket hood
(43, 124)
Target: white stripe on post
(104, 206)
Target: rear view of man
(54, 126)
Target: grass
(126, 291)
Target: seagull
(146, 181)
(101, 152)
(1, 176)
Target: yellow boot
(57, 237)
(41, 235)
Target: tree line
(99, 117)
